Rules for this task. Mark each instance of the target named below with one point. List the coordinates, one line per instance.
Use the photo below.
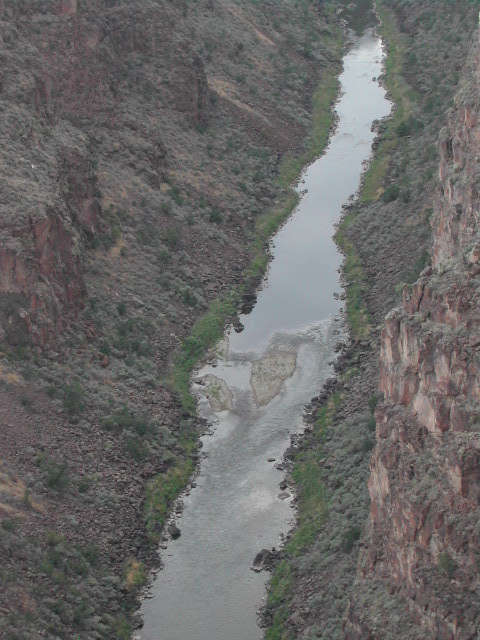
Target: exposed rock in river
(269, 374)
(218, 394)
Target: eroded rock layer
(140, 141)
(423, 548)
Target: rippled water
(255, 393)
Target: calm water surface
(257, 389)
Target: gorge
(147, 153)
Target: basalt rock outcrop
(422, 555)
(139, 142)
(41, 281)
(61, 86)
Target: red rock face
(68, 7)
(70, 91)
(425, 470)
(47, 278)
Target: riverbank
(126, 242)
(209, 329)
(254, 392)
(313, 585)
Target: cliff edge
(422, 552)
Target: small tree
(73, 398)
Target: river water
(254, 393)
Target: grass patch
(312, 512)
(402, 95)
(73, 398)
(279, 588)
(398, 125)
(349, 538)
(161, 493)
(206, 332)
(134, 574)
(446, 565)
(353, 273)
(308, 476)
(121, 629)
(323, 99)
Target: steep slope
(140, 142)
(385, 235)
(423, 549)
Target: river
(255, 392)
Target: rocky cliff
(406, 536)
(116, 107)
(140, 141)
(422, 552)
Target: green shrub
(52, 391)
(216, 216)
(105, 347)
(57, 476)
(135, 448)
(409, 126)
(134, 574)
(172, 238)
(8, 524)
(126, 420)
(26, 398)
(84, 484)
(391, 193)
(190, 298)
(161, 493)
(175, 194)
(367, 445)
(73, 398)
(164, 256)
(91, 553)
(27, 498)
(121, 629)
(167, 208)
(53, 538)
(446, 565)
(372, 403)
(349, 539)
(418, 267)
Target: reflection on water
(256, 391)
(360, 16)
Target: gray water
(255, 390)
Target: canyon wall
(382, 563)
(140, 140)
(419, 570)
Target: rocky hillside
(399, 561)
(423, 548)
(141, 144)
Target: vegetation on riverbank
(403, 97)
(209, 329)
(310, 593)
(312, 511)
(312, 500)
(354, 280)
(396, 126)
(161, 493)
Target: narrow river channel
(255, 392)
